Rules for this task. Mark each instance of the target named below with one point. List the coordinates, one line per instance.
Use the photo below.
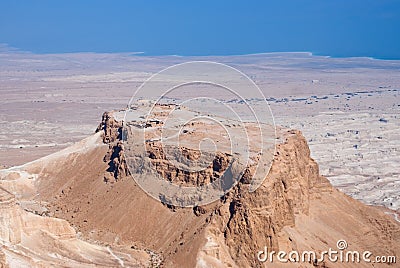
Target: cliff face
(250, 221)
(294, 209)
(111, 130)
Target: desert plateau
(69, 159)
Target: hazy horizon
(335, 29)
(6, 48)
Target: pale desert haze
(67, 197)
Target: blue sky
(338, 28)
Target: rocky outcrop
(178, 176)
(115, 157)
(110, 127)
(112, 135)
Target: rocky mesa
(81, 207)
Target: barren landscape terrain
(345, 112)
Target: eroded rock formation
(243, 222)
(294, 209)
(112, 135)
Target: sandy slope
(30, 238)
